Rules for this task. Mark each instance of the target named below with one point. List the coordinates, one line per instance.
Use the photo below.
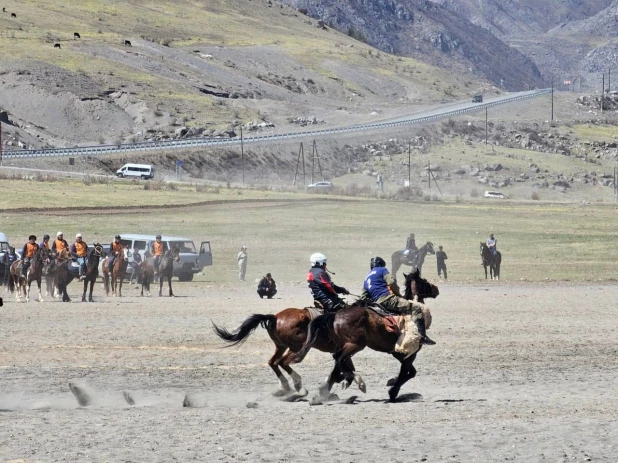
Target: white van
(190, 261)
(143, 171)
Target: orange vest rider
(59, 244)
(159, 248)
(30, 250)
(116, 248)
(80, 248)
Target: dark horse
(354, 328)
(166, 269)
(491, 261)
(418, 259)
(35, 273)
(64, 275)
(288, 331)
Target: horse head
(430, 249)
(419, 287)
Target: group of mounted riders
(59, 252)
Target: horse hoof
(391, 382)
(360, 383)
(281, 392)
(303, 392)
(317, 400)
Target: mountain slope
(206, 65)
(429, 31)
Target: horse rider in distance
(27, 253)
(324, 291)
(45, 243)
(411, 248)
(380, 287)
(59, 244)
(492, 244)
(158, 249)
(114, 249)
(79, 250)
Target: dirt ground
(520, 373)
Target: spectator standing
(242, 263)
(440, 258)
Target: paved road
(425, 116)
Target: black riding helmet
(45, 237)
(32, 237)
(117, 237)
(377, 262)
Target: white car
(320, 186)
(494, 194)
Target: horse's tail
(105, 279)
(319, 326)
(11, 284)
(247, 327)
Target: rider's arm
(23, 251)
(392, 284)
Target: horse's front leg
(27, 290)
(91, 289)
(169, 283)
(160, 285)
(85, 290)
(406, 372)
(39, 283)
(120, 286)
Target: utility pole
(409, 164)
(0, 143)
(609, 80)
(486, 126)
(301, 155)
(552, 99)
(602, 94)
(242, 156)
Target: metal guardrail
(199, 142)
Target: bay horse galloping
(490, 260)
(34, 273)
(65, 275)
(166, 269)
(288, 331)
(119, 269)
(354, 328)
(418, 259)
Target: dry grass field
(524, 369)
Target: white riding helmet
(79, 235)
(317, 258)
(58, 234)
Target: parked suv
(191, 262)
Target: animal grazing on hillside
(57, 45)
(127, 43)
(4, 9)
(13, 15)
(417, 260)
(76, 35)
(288, 331)
(490, 260)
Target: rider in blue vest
(381, 287)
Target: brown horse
(119, 270)
(35, 273)
(64, 275)
(288, 331)
(166, 268)
(354, 328)
(147, 271)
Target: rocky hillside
(428, 31)
(113, 71)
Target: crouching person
(267, 287)
(380, 287)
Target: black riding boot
(420, 325)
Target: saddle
(73, 266)
(392, 320)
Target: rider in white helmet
(323, 290)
